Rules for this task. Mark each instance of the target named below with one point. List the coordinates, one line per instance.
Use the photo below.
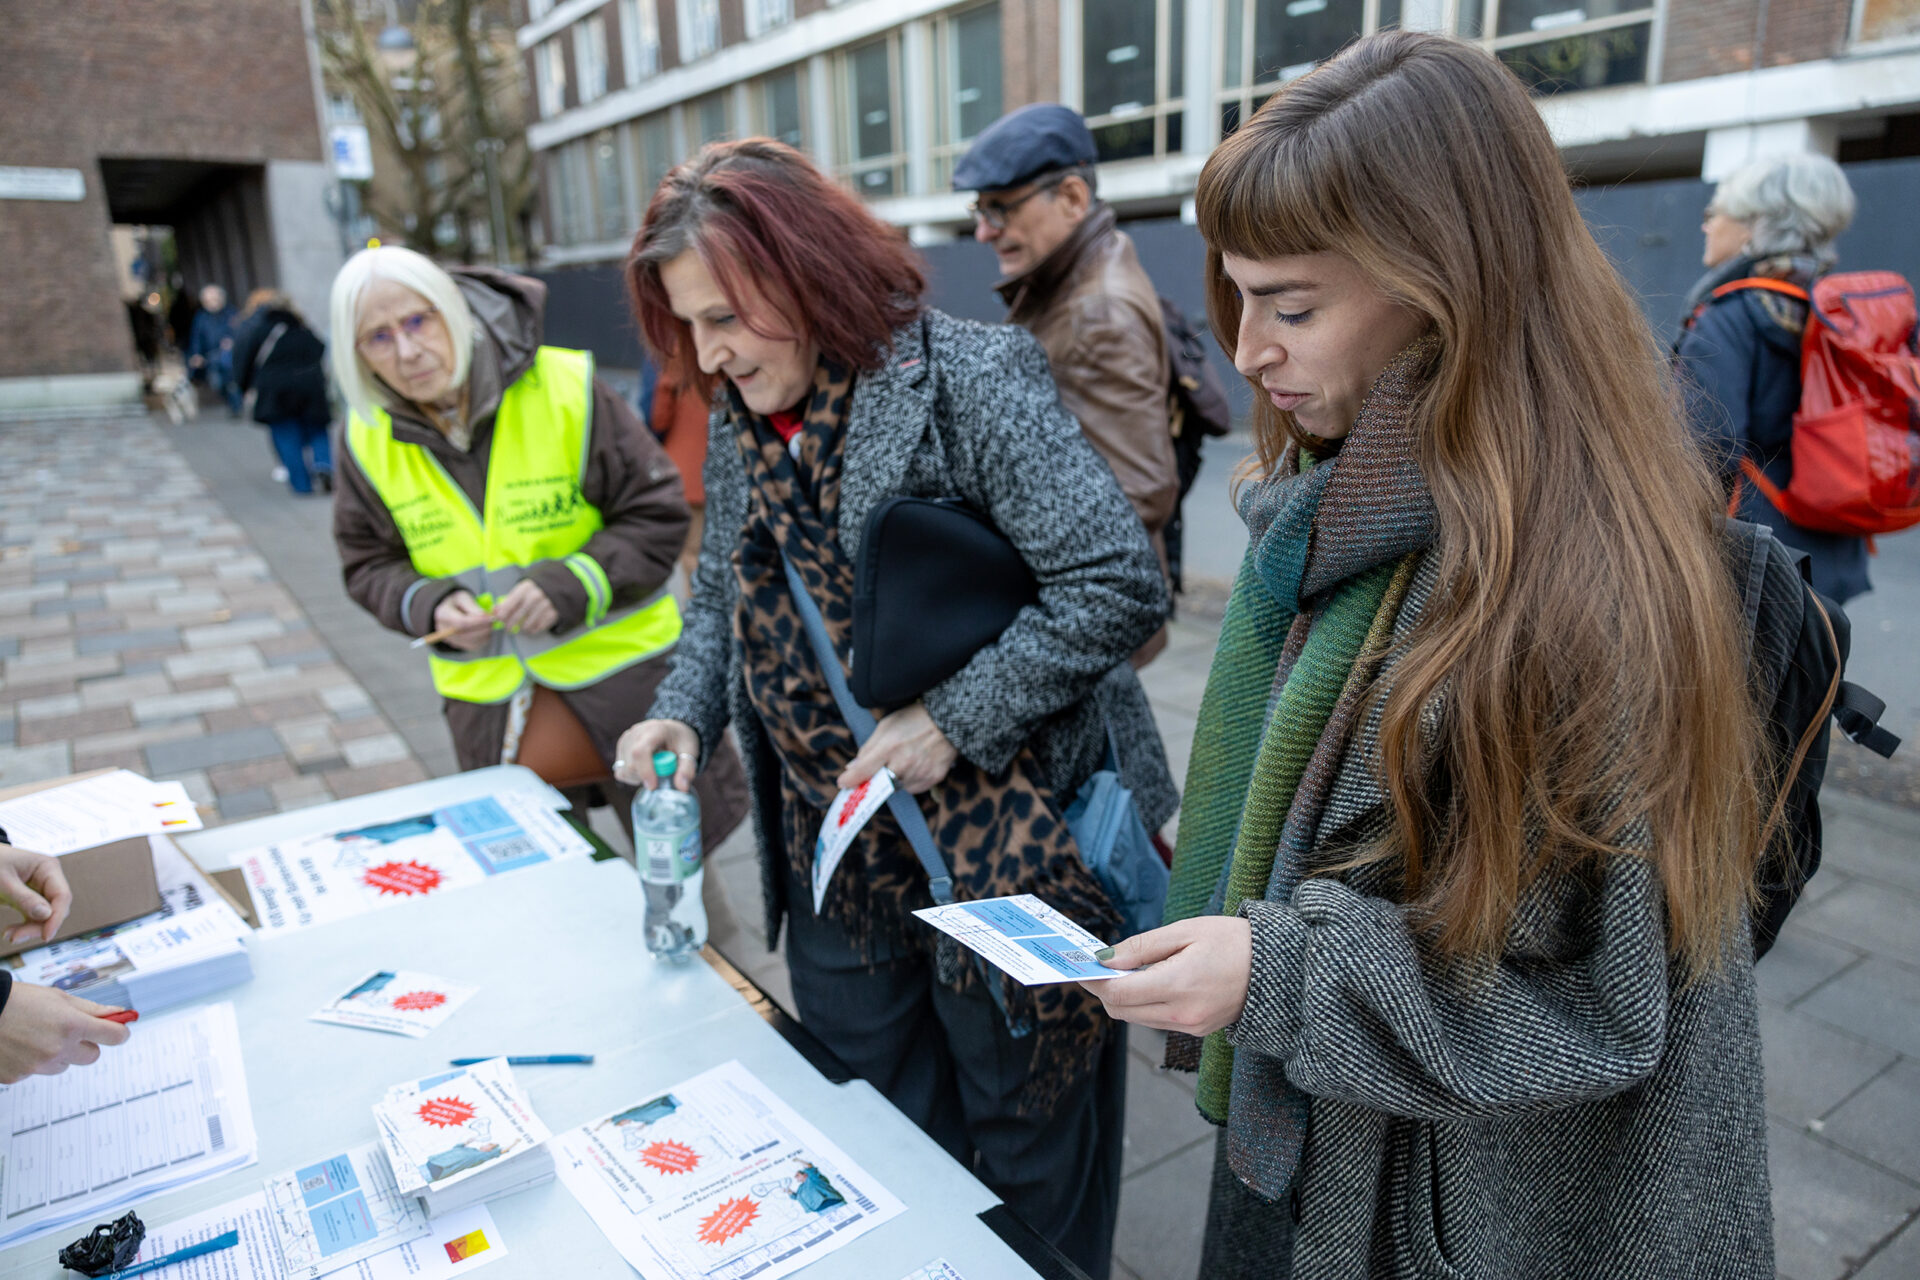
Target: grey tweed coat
(963, 409)
(1579, 1114)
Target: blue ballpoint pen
(535, 1060)
(215, 1245)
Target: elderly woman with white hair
(1739, 355)
(498, 499)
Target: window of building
(764, 15)
(640, 39)
(966, 77)
(780, 107)
(570, 193)
(550, 77)
(1878, 20)
(1131, 76)
(590, 56)
(867, 103)
(652, 154)
(699, 28)
(1552, 45)
(610, 188)
(708, 119)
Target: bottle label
(670, 859)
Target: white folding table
(556, 951)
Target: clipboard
(111, 883)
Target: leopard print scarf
(1002, 834)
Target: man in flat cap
(1072, 279)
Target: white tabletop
(557, 954)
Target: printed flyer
(718, 1179)
(339, 1210)
(330, 877)
(397, 1000)
(448, 1127)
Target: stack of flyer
(194, 945)
(463, 1137)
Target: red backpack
(1856, 436)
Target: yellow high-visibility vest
(534, 511)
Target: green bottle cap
(664, 763)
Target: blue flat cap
(1024, 144)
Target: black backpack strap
(1858, 713)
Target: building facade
(887, 93)
(146, 116)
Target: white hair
(359, 387)
(1791, 204)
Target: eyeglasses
(994, 211)
(384, 341)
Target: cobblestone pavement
(140, 628)
(146, 621)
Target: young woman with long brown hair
(1470, 831)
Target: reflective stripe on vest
(534, 511)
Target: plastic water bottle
(666, 840)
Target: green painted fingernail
(1104, 953)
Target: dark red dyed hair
(757, 210)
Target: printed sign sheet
(397, 1000)
(339, 1210)
(718, 1179)
(451, 1247)
(1023, 936)
(344, 873)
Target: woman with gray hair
(500, 503)
(1739, 355)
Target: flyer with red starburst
(450, 1127)
(397, 1000)
(718, 1179)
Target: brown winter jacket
(628, 478)
(1096, 313)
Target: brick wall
(1717, 37)
(202, 80)
(1029, 52)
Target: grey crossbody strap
(905, 810)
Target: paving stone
(89, 573)
(300, 658)
(191, 684)
(1876, 842)
(189, 602)
(358, 782)
(15, 692)
(1829, 1209)
(227, 634)
(41, 650)
(125, 758)
(20, 765)
(250, 803)
(52, 707)
(132, 549)
(1799, 962)
(298, 793)
(1161, 1209)
(172, 706)
(201, 662)
(113, 691)
(344, 697)
(1876, 1000)
(1882, 1121)
(140, 592)
(141, 738)
(121, 641)
(361, 722)
(63, 728)
(307, 739)
(379, 749)
(1898, 1259)
(22, 599)
(1161, 1118)
(254, 773)
(213, 749)
(9, 646)
(35, 668)
(1874, 917)
(8, 731)
(1810, 1067)
(71, 604)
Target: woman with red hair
(755, 274)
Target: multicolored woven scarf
(1002, 834)
(1332, 549)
